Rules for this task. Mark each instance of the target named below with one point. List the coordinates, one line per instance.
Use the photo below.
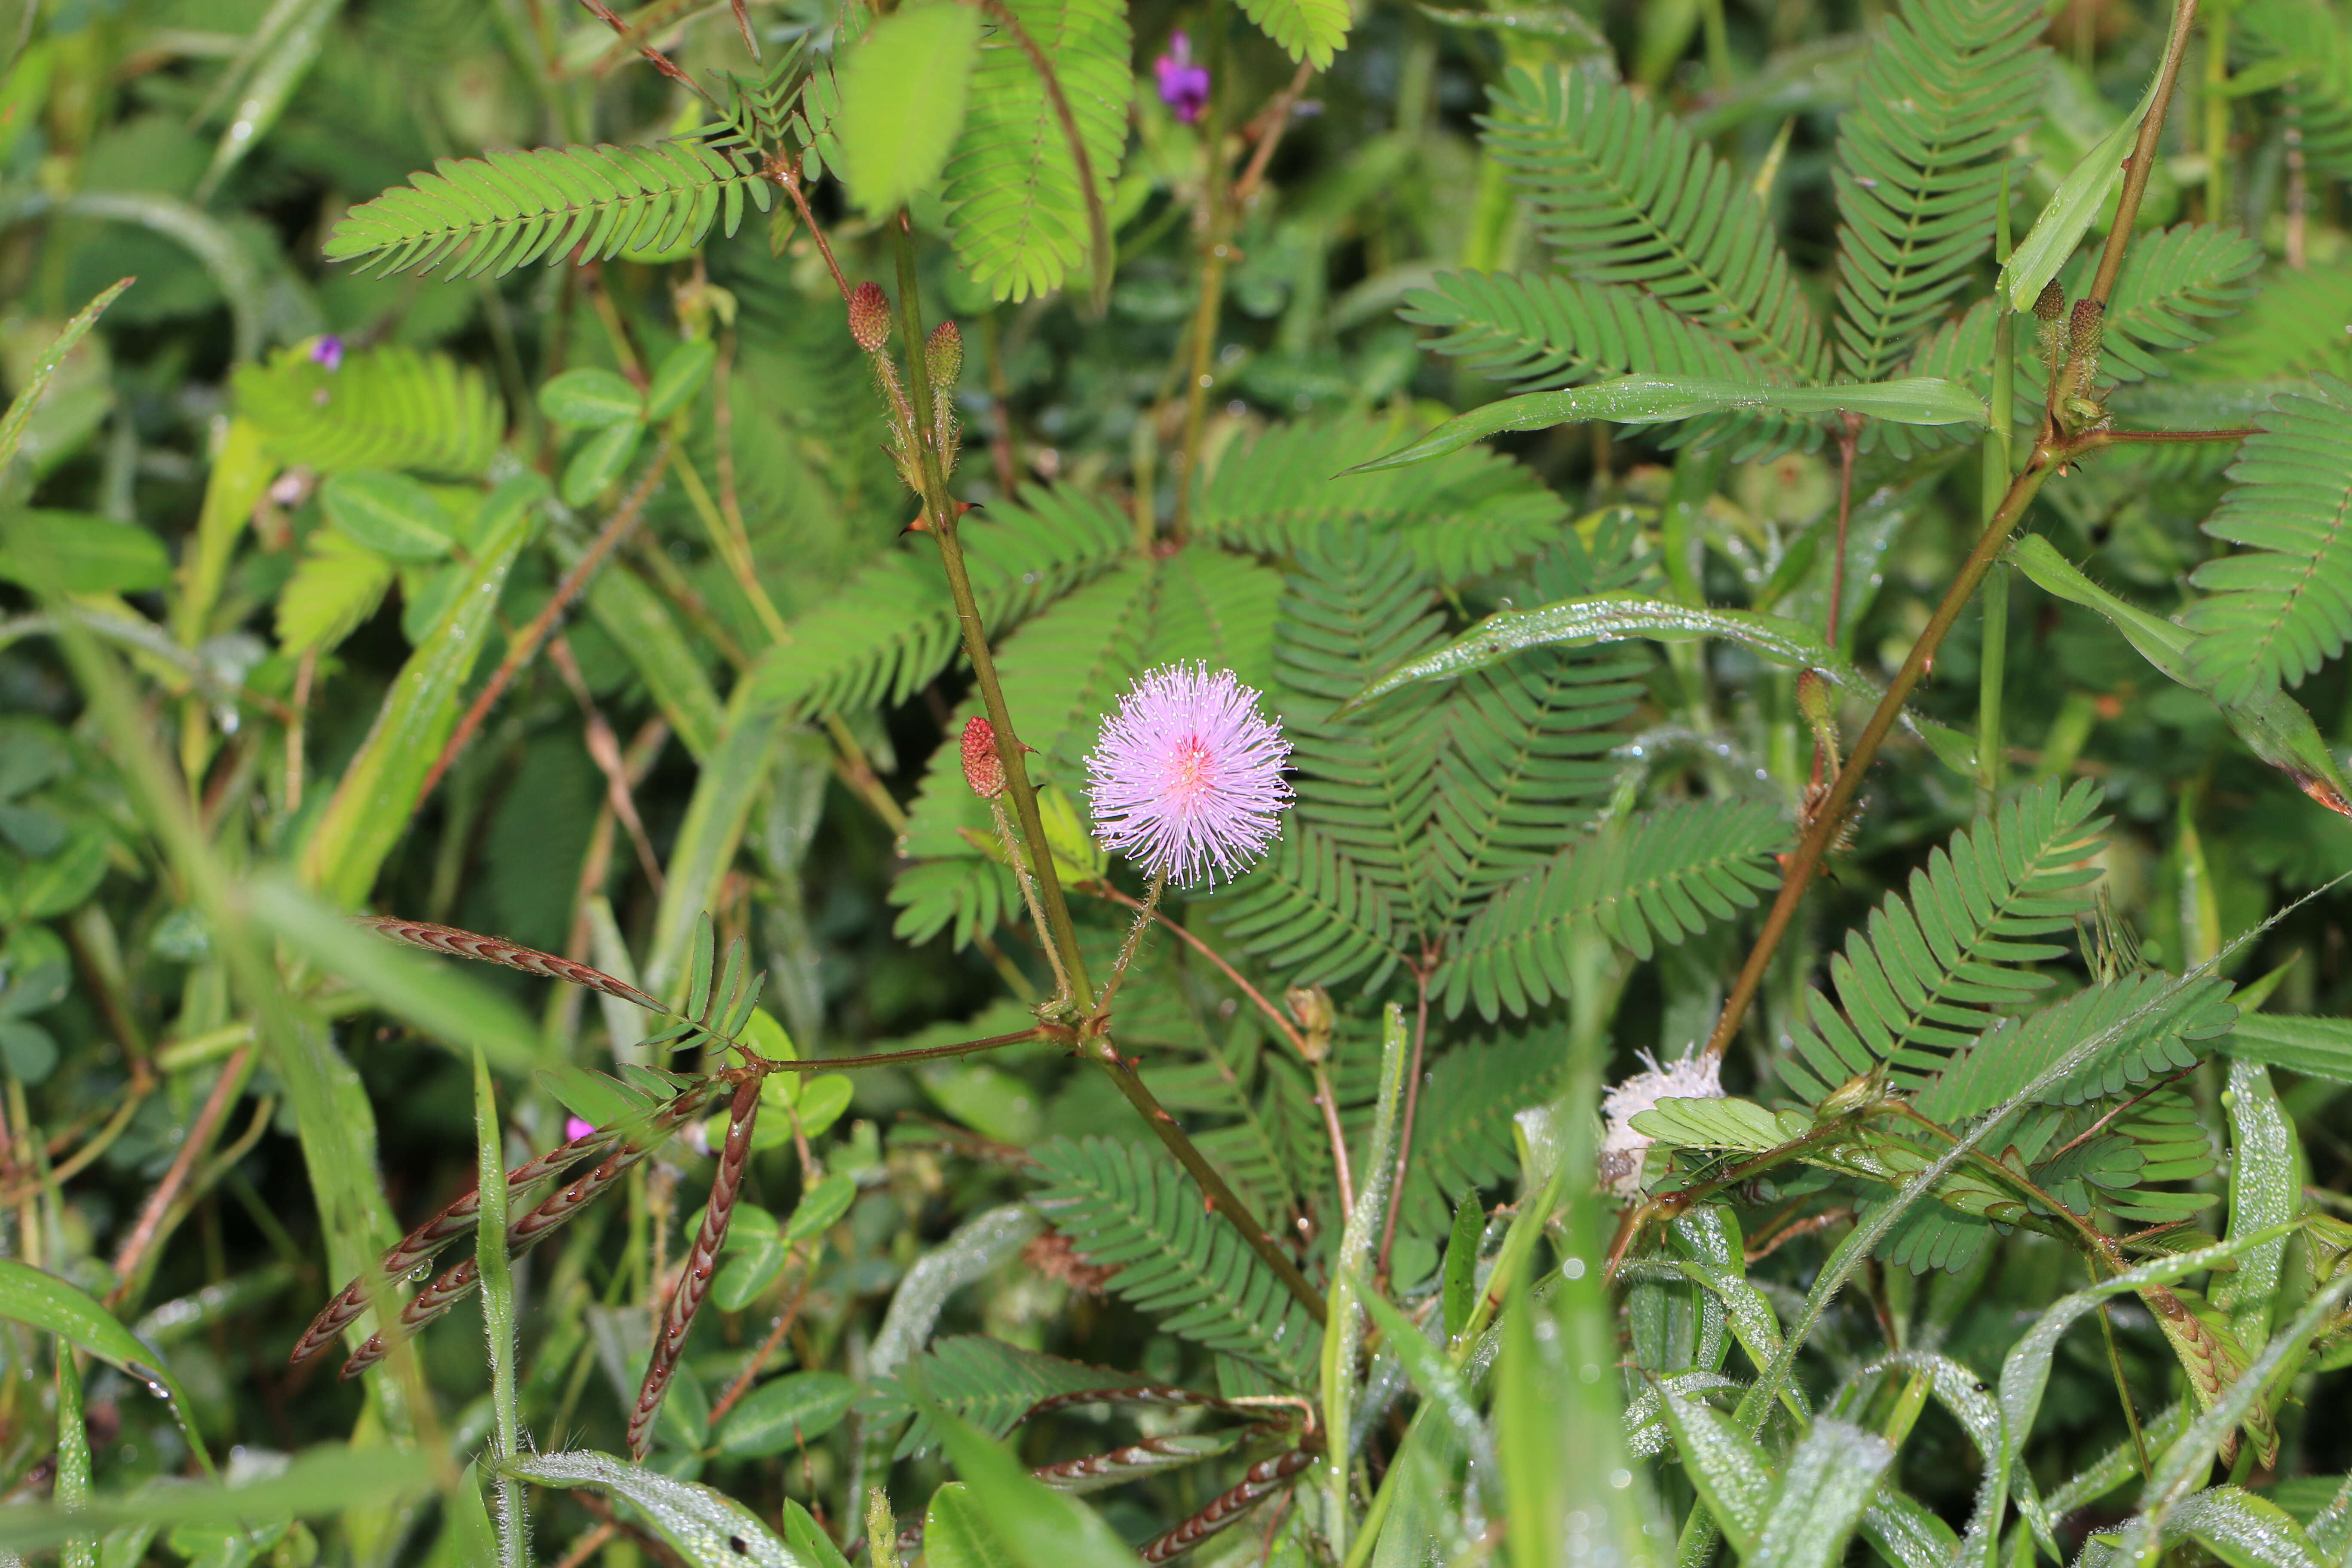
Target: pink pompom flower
(1183, 82)
(1186, 779)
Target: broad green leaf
(338, 584)
(390, 513)
(2265, 1192)
(821, 1207)
(732, 782)
(1900, 1526)
(592, 397)
(440, 1000)
(2275, 726)
(371, 807)
(1732, 1474)
(785, 1413)
(809, 1542)
(599, 463)
(80, 553)
(28, 1295)
(1656, 399)
(956, 1536)
(1828, 1480)
(1440, 1388)
(325, 1478)
(1038, 1527)
(706, 1528)
(1461, 1268)
(2316, 1047)
(683, 371)
(44, 369)
(903, 92)
(58, 882)
(2070, 211)
(2244, 1530)
(640, 625)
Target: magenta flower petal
(1183, 83)
(577, 1127)
(1186, 780)
(328, 351)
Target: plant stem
(1257, 997)
(942, 515)
(1404, 1132)
(2143, 156)
(1814, 845)
(1215, 248)
(1013, 858)
(2217, 115)
(1127, 950)
(1220, 1196)
(1992, 670)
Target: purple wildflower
(328, 351)
(576, 1128)
(1187, 777)
(1183, 84)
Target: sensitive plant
(1480, 992)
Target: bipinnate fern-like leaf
(1461, 1138)
(1639, 881)
(1124, 1205)
(1948, 85)
(892, 627)
(389, 407)
(988, 1382)
(2172, 286)
(2010, 1055)
(2285, 608)
(1625, 193)
(1021, 223)
(337, 585)
(1540, 331)
(1462, 515)
(477, 216)
(787, 109)
(2308, 42)
(1309, 913)
(1929, 973)
(1309, 30)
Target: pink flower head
(328, 351)
(576, 1128)
(1183, 84)
(1187, 777)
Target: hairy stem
(1404, 1131)
(942, 512)
(2142, 156)
(1281, 1020)
(1814, 845)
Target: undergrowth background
(530, 553)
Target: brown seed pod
(1261, 1481)
(419, 1245)
(458, 943)
(701, 1265)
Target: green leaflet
(2265, 1192)
(46, 1302)
(489, 215)
(1653, 399)
(1615, 617)
(1309, 30)
(37, 379)
(372, 804)
(1024, 218)
(903, 93)
(2070, 211)
(1034, 1525)
(326, 1479)
(706, 1528)
(2318, 1047)
(2275, 726)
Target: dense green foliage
(1799, 1004)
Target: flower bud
(2086, 332)
(2050, 304)
(869, 317)
(1311, 1005)
(943, 357)
(983, 768)
(1813, 699)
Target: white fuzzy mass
(1694, 1075)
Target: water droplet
(1621, 1480)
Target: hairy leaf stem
(941, 513)
(2048, 456)
(1062, 932)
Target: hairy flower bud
(2050, 304)
(1813, 699)
(983, 768)
(943, 357)
(2085, 333)
(869, 317)
(1311, 1006)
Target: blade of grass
(498, 1317)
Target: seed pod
(1259, 1482)
(701, 1265)
(869, 317)
(943, 357)
(984, 769)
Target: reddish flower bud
(2050, 305)
(869, 317)
(1813, 698)
(983, 768)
